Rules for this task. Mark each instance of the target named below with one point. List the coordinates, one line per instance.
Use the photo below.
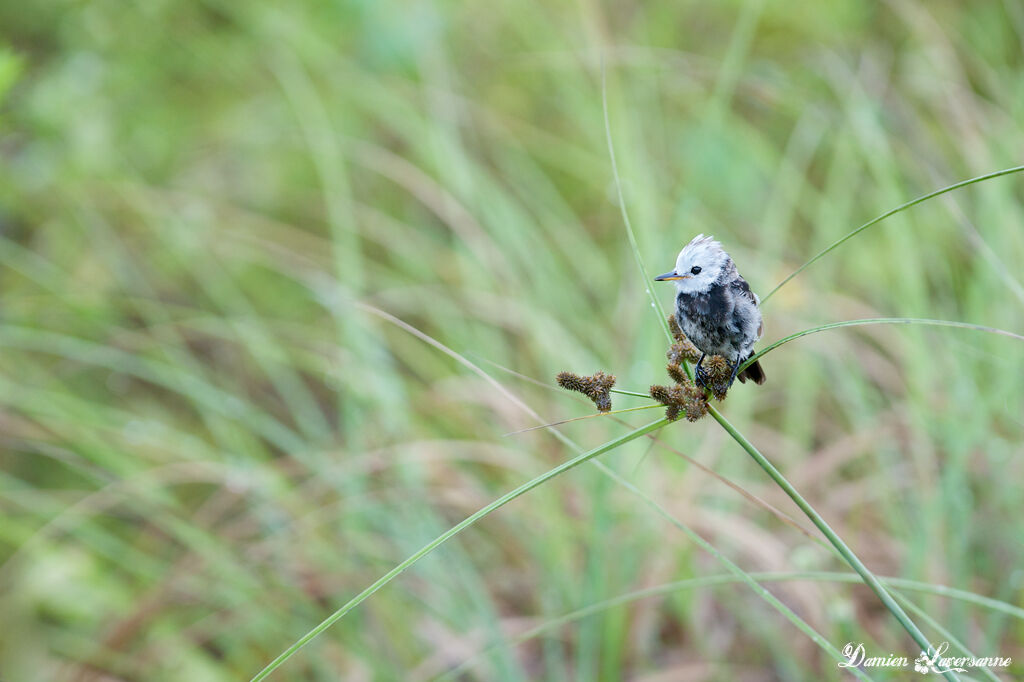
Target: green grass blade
(449, 534)
(625, 215)
(898, 209)
(847, 554)
(834, 539)
(632, 393)
(881, 320)
(742, 575)
(730, 579)
(950, 637)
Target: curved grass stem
(632, 393)
(879, 320)
(730, 579)
(847, 554)
(655, 303)
(449, 534)
(758, 589)
(902, 207)
(736, 570)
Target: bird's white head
(699, 265)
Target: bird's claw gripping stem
(700, 375)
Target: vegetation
(279, 282)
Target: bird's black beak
(668, 276)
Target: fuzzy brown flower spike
(671, 398)
(695, 402)
(676, 374)
(682, 349)
(673, 326)
(684, 397)
(597, 387)
(601, 391)
(718, 371)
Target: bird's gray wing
(742, 290)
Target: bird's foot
(701, 377)
(732, 377)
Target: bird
(716, 309)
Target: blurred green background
(213, 434)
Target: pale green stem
(625, 215)
(633, 393)
(728, 579)
(950, 637)
(735, 570)
(880, 320)
(449, 534)
(869, 578)
(914, 202)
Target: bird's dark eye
(695, 270)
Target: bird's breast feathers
(722, 320)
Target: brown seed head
(719, 370)
(596, 387)
(671, 398)
(682, 350)
(676, 374)
(570, 381)
(695, 402)
(673, 326)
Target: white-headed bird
(715, 307)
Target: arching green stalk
(939, 628)
(625, 214)
(448, 535)
(847, 554)
(729, 579)
(880, 320)
(740, 574)
(903, 207)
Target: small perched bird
(715, 308)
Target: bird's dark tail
(753, 372)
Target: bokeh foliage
(211, 437)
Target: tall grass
(211, 443)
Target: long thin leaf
(448, 535)
(655, 303)
(879, 320)
(729, 579)
(742, 575)
(903, 207)
(939, 628)
(844, 550)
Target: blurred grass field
(213, 434)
